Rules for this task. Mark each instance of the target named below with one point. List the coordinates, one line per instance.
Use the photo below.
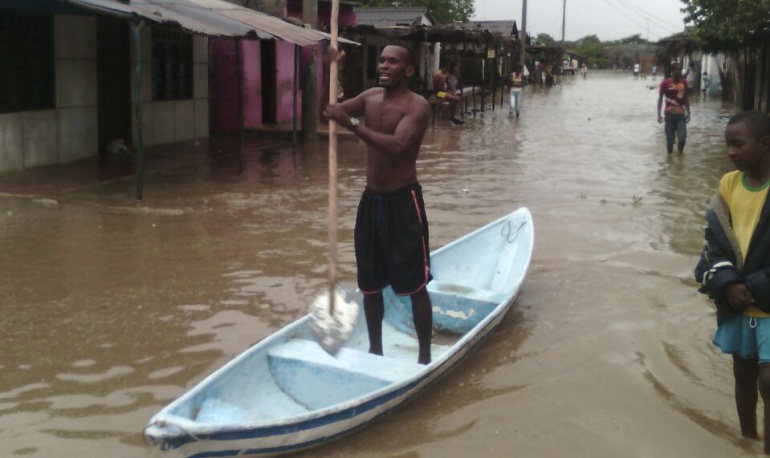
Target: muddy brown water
(111, 309)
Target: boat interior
(291, 375)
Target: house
(374, 28)
(625, 56)
(273, 74)
(69, 85)
(483, 53)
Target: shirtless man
(391, 233)
(444, 89)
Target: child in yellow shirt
(734, 267)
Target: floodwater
(111, 308)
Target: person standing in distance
(677, 112)
(391, 232)
(734, 267)
(516, 89)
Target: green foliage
(442, 11)
(592, 49)
(725, 24)
(545, 39)
(596, 51)
(590, 39)
(633, 39)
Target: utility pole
(523, 33)
(563, 21)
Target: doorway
(269, 85)
(113, 80)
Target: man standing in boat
(391, 233)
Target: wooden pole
(333, 71)
(294, 101)
(239, 86)
(136, 28)
(523, 33)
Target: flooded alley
(112, 308)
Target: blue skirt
(745, 336)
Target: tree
(724, 25)
(545, 39)
(630, 40)
(591, 48)
(442, 11)
(588, 39)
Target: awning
(214, 18)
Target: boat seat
(316, 379)
(466, 291)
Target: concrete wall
(69, 131)
(174, 120)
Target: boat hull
(312, 398)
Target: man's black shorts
(391, 239)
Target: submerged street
(112, 308)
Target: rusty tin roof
(208, 17)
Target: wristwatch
(354, 122)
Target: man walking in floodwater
(677, 112)
(391, 233)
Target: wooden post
(239, 85)
(136, 28)
(297, 50)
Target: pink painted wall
(346, 18)
(223, 82)
(252, 84)
(224, 92)
(224, 89)
(285, 82)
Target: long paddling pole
(333, 70)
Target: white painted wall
(178, 120)
(69, 131)
(711, 64)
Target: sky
(608, 19)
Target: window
(172, 76)
(27, 69)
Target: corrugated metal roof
(390, 17)
(504, 28)
(209, 17)
(343, 2)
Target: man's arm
(686, 102)
(342, 112)
(407, 135)
(660, 104)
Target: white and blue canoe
(286, 393)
